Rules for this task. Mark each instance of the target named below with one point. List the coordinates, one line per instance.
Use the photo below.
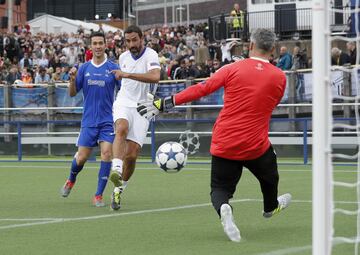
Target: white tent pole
(10, 15)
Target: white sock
(117, 165)
(122, 187)
(124, 184)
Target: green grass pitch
(161, 213)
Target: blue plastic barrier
(62, 99)
(29, 97)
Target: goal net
(328, 213)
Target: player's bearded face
(134, 43)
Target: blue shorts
(92, 136)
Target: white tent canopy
(53, 24)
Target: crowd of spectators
(341, 58)
(184, 53)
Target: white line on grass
(30, 219)
(46, 221)
(154, 168)
(110, 215)
(292, 250)
(42, 221)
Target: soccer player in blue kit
(98, 83)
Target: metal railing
(302, 137)
(287, 23)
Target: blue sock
(75, 169)
(103, 177)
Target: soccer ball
(190, 141)
(171, 157)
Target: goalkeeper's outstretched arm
(154, 105)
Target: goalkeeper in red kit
(252, 89)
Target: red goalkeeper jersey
(252, 89)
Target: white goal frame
(322, 223)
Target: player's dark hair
(97, 34)
(134, 29)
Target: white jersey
(133, 91)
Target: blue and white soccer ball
(190, 141)
(171, 157)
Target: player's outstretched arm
(154, 105)
(72, 86)
(152, 76)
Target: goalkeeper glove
(154, 105)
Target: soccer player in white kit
(139, 67)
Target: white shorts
(138, 125)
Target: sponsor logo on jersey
(100, 83)
(259, 67)
(87, 74)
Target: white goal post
(322, 126)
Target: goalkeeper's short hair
(264, 39)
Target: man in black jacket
(339, 58)
(351, 47)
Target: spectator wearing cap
(42, 77)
